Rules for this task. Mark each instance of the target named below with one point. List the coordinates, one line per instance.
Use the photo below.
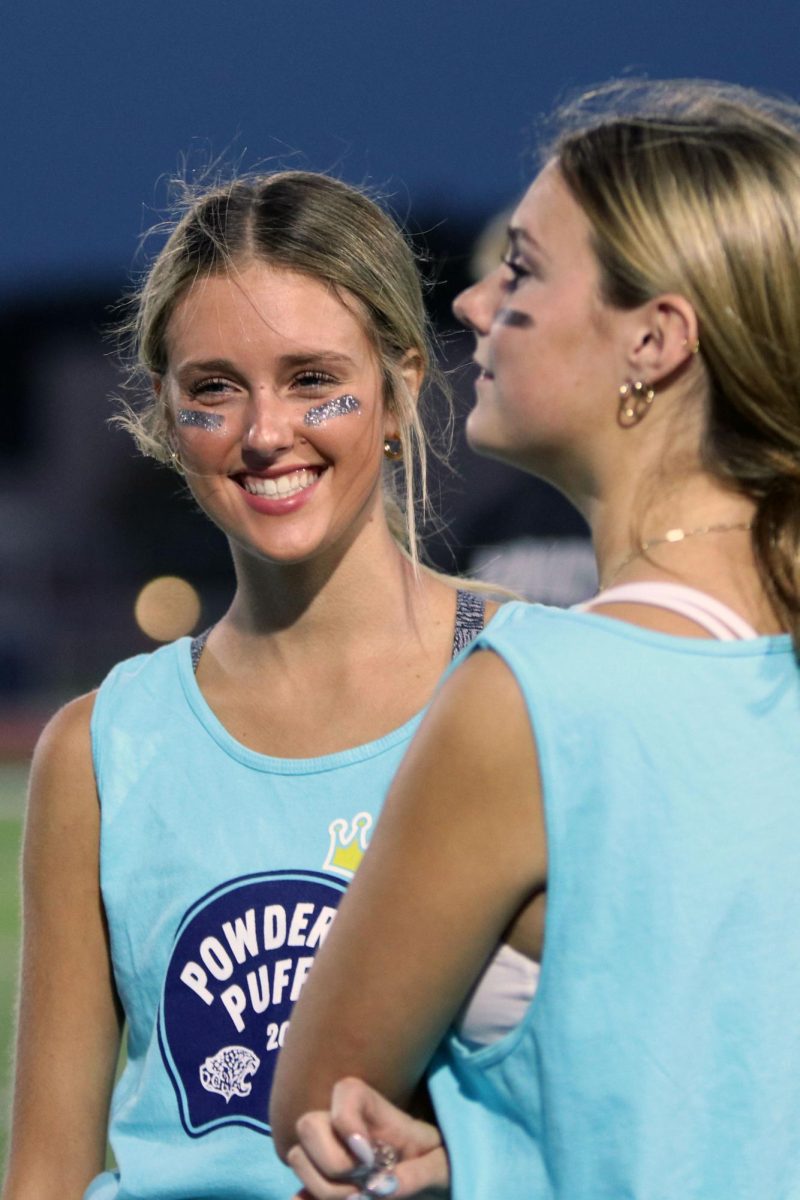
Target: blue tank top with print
(660, 1057)
(221, 870)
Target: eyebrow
(310, 356)
(301, 359)
(223, 365)
(517, 234)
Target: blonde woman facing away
(637, 762)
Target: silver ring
(381, 1180)
(386, 1156)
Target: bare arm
(69, 1016)
(459, 849)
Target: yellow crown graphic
(348, 844)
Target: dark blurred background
(433, 102)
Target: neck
(687, 530)
(332, 593)
(672, 537)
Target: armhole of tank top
(499, 999)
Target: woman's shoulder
(541, 638)
(68, 728)
(62, 758)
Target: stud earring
(635, 400)
(393, 449)
(175, 462)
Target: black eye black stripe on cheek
(513, 318)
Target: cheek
(197, 441)
(514, 345)
(354, 442)
(201, 449)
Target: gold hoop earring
(175, 462)
(393, 449)
(635, 400)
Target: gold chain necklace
(671, 536)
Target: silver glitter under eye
(340, 406)
(210, 422)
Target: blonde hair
(320, 227)
(694, 187)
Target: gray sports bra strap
(470, 619)
(198, 646)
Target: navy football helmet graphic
(239, 961)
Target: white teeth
(283, 486)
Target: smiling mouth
(282, 486)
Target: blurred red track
(18, 733)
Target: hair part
(694, 187)
(320, 227)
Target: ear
(665, 334)
(412, 370)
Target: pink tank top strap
(710, 614)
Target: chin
(275, 553)
(481, 440)
(475, 435)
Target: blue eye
(209, 387)
(312, 379)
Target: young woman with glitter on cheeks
(636, 762)
(193, 825)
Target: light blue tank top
(660, 1058)
(221, 870)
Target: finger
(359, 1112)
(362, 1148)
(323, 1146)
(314, 1182)
(429, 1173)
(427, 1176)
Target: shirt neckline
(271, 763)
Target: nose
(269, 428)
(476, 306)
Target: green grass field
(12, 792)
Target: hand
(334, 1157)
